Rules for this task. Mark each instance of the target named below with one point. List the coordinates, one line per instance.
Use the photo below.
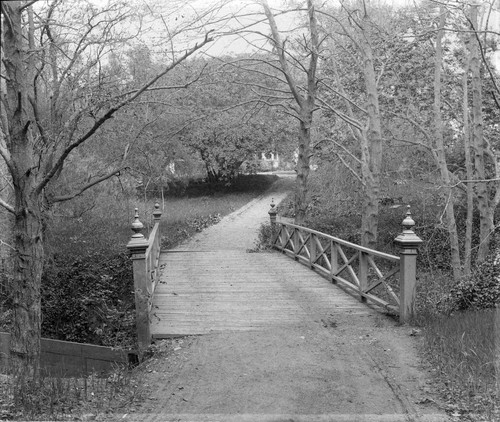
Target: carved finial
(407, 239)
(272, 212)
(408, 222)
(157, 213)
(137, 226)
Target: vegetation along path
(270, 340)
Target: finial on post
(272, 212)
(407, 238)
(138, 243)
(137, 226)
(157, 213)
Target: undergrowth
(44, 397)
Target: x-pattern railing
(352, 266)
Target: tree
(55, 101)
(487, 192)
(351, 28)
(304, 95)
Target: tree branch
(59, 163)
(87, 186)
(7, 206)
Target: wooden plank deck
(213, 283)
(231, 290)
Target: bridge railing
(145, 255)
(369, 273)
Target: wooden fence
(69, 359)
(369, 273)
(145, 254)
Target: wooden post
(334, 260)
(272, 213)
(137, 247)
(296, 243)
(363, 274)
(408, 243)
(157, 213)
(312, 251)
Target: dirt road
(321, 365)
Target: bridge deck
(206, 291)
(214, 284)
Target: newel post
(408, 243)
(157, 213)
(272, 213)
(137, 247)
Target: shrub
(481, 290)
(267, 234)
(89, 299)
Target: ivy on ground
(89, 299)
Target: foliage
(224, 123)
(479, 291)
(89, 299)
(267, 235)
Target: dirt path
(322, 364)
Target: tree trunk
(440, 157)
(303, 169)
(27, 275)
(372, 148)
(28, 231)
(484, 203)
(469, 172)
(305, 103)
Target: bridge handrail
(145, 255)
(322, 252)
(343, 242)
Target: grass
(464, 349)
(24, 397)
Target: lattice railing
(384, 279)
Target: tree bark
(372, 146)
(303, 168)
(469, 172)
(26, 287)
(28, 228)
(484, 203)
(440, 156)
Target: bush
(480, 291)
(89, 299)
(267, 234)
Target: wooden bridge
(217, 284)
(291, 336)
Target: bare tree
(56, 99)
(304, 96)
